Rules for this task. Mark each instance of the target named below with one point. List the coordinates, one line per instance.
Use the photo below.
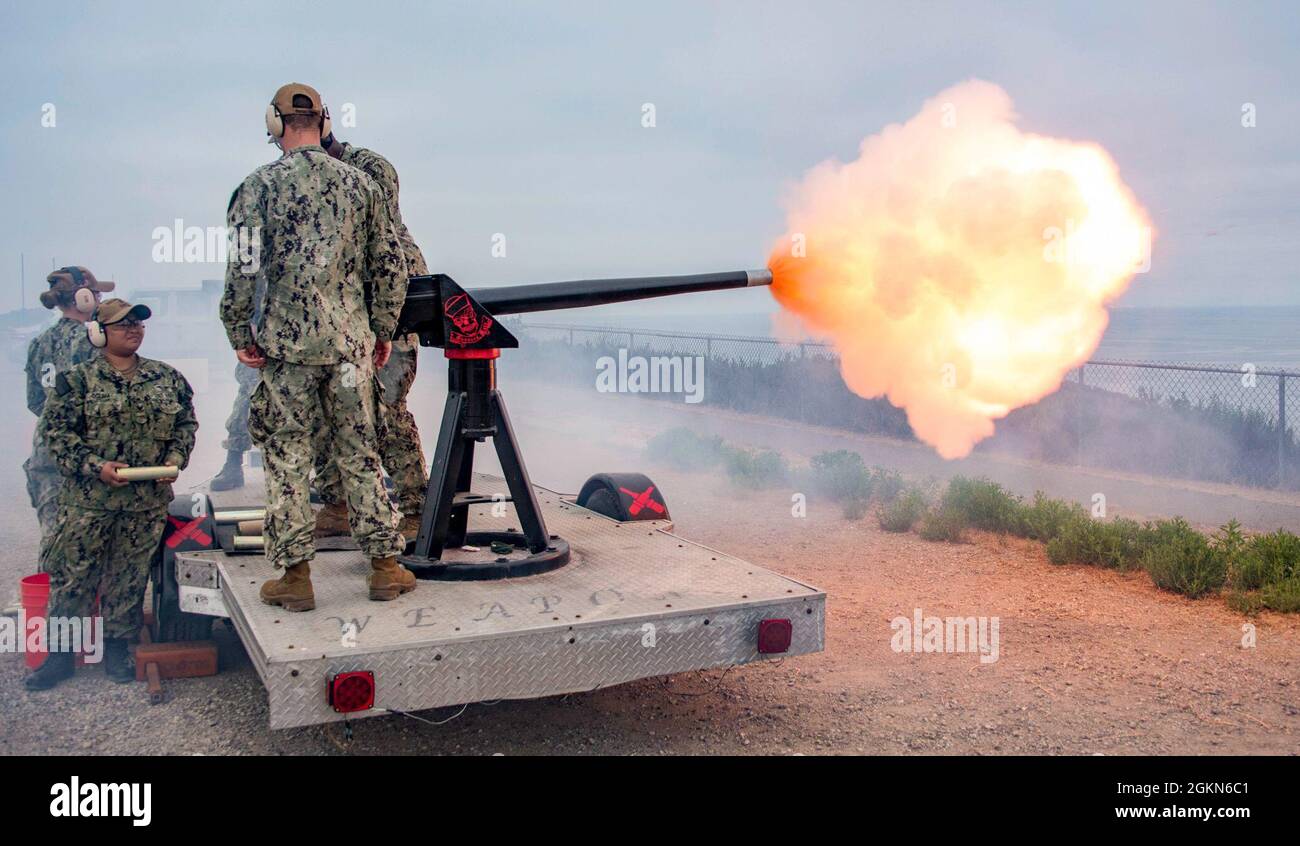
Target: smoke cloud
(960, 266)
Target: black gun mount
(465, 325)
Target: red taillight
(774, 636)
(353, 691)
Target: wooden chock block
(180, 660)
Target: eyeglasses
(128, 323)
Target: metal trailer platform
(635, 601)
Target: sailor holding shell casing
(115, 417)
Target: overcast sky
(526, 120)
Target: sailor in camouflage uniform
(55, 351)
(399, 445)
(238, 441)
(116, 410)
(335, 280)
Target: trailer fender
(625, 497)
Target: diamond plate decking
(635, 601)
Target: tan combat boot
(292, 591)
(389, 579)
(410, 526)
(332, 521)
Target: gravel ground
(1091, 661)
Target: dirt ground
(1090, 661)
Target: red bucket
(35, 592)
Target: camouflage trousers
(282, 414)
(43, 484)
(399, 439)
(104, 553)
(237, 437)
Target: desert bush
(1045, 518)
(983, 504)
(841, 475)
(943, 523)
(683, 449)
(1244, 601)
(886, 485)
(756, 468)
(1265, 560)
(901, 513)
(1282, 596)
(855, 509)
(1118, 544)
(1182, 560)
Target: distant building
(182, 304)
(186, 329)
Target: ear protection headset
(275, 118)
(83, 295)
(95, 332)
(84, 298)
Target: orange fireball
(960, 266)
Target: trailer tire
(624, 497)
(172, 623)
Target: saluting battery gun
(465, 325)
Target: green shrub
(1117, 544)
(683, 449)
(886, 484)
(1282, 596)
(841, 475)
(983, 504)
(901, 514)
(1230, 543)
(1183, 561)
(943, 523)
(1245, 602)
(1046, 518)
(1161, 532)
(855, 509)
(755, 469)
(1265, 560)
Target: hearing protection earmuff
(95, 332)
(275, 121)
(83, 298)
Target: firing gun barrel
(549, 296)
(426, 314)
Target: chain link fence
(1193, 421)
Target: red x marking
(642, 500)
(187, 530)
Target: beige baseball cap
(68, 280)
(283, 99)
(74, 277)
(115, 310)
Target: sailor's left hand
(383, 349)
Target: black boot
(117, 660)
(57, 667)
(232, 474)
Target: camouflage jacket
(329, 256)
(54, 351)
(382, 171)
(96, 415)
